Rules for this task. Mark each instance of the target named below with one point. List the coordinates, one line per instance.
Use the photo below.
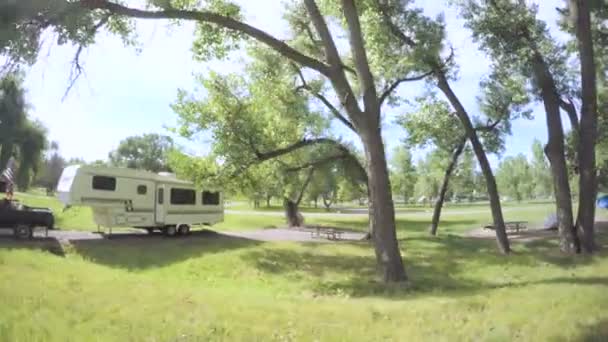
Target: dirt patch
(297, 235)
(529, 234)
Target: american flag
(9, 173)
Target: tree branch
(316, 163)
(218, 19)
(570, 109)
(77, 69)
(263, 156)
(324, 100)
(337, 77)
(305, 185)
(395, 30)
(387, 92)
(357, 44)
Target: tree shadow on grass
(597, 332)
(137, 251)
(438, 267)
(45, 244)
(404, 225)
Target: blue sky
(125, 92)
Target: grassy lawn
(213, 287)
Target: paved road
(364, 212)
(266, 235)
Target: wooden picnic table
(511, 225)
(331, 234)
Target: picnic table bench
(331, 234)
(511, 225)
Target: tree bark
(444, 186)
(292, 213)
(268, 198)
(499, 223)
(555, 152)
(327, 201)
(581, 18)
(5, 155)
(381, 209)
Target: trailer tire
(150, 230)
(23, 232)
(183, 229)
(170, 231)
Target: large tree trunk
(499, 223)
(292, 213)
(444, 186)
(5, 155)
(581, 18)
(555, 152)
(381, 208)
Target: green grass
(211, 287)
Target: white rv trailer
(123, 197)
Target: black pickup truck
(23, 219)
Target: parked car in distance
(23, 219)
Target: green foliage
(463, 181)
(403, 173)
(504, 99)
(24, 22)
(19, 136)
(51, 168)
(432, 124)
(430, 174)
(212, 41)
(146, 152)
(541, 173)
(515, 178)
(350, 191)
(513, 36)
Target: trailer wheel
(23, 232)
(184, 229)
(150, 230)
(170, 231)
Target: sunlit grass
(214, 287)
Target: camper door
(159, 213)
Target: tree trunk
(292, 213)
(5, 155)
(499, 223)
(555, 152)
(327, 201)
(268, 198)
(316, 202)
(588, 124)
(444, 186)
(381, 207)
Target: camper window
(142, 190)
(182, 196)
(211, 198)
(104, 183)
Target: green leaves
(432, 124)
(147, 152)
(403, 172)
(215, 42)
(513, 36)
(515, 178)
